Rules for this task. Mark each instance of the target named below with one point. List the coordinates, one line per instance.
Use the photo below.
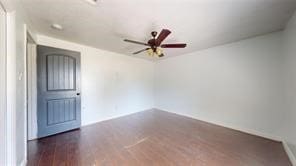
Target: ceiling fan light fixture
(92, 2)
(158, 51)
(150, 52)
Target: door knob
(77, 94)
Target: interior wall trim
(11, 88)
(238, 128)
(3, 85)
(289, 153)
(113, 117)
(24, 162)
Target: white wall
(289, 47)
(112, 84)
(238, 85)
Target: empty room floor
(156, 138)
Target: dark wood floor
(156, 138)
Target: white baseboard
(230, 126)
(289, 153)
(24, 162)
(112, 117)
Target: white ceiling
(199, 23)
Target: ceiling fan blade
(163, 34)
(136, 42)
(141, 51)
(179, 45)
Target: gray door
(58, 75)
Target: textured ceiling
(199, 23)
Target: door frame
(29, 85)
(3, 88)
(31, 82)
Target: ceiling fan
(154, 44)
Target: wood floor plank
(155, 138)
